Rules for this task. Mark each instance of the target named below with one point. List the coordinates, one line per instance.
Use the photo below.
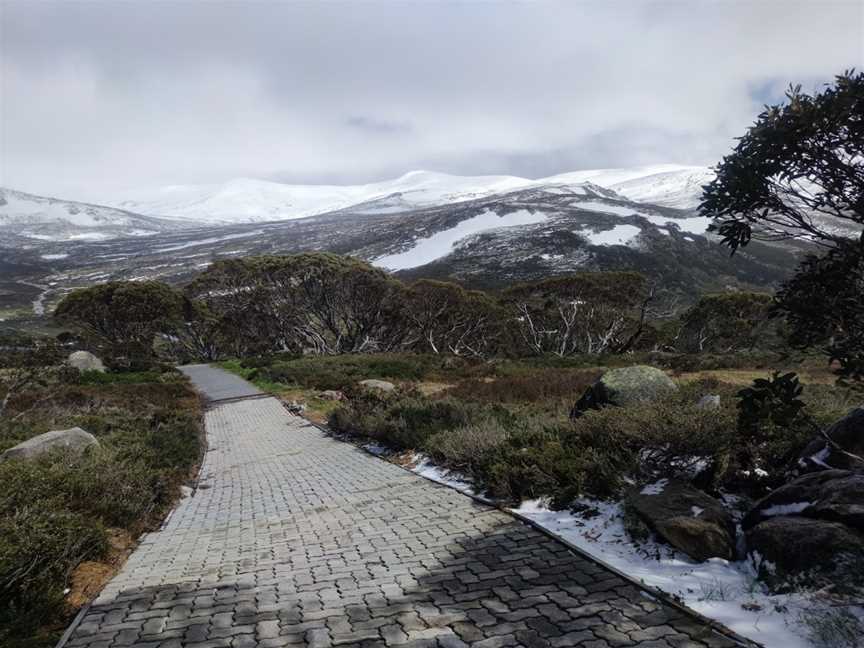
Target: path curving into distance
(296, 539)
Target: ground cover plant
(512, 434)
(64, 514)
(505, 423)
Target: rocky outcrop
(381, 385)
(331, 395)
(830, 495)
(842, 446)
(800, 551)
(685, 517)
(85, 361)
(74, 440)
(810, 531)
(625, 386)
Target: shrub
(54, 508)
(534, 462)
(39, 547)
(341, 372)
(404, 419)
(467, 448)
(532, 386)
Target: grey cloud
(377, 126)
(101, 97)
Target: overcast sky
(103, 97)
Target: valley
(483, 233)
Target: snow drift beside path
(727, 592)
(432, 248)
(718, 589)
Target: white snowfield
(19, 208)
(247, 200)
(426, 250)
(256, 201)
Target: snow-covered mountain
(50, 219)
(666, 185)
(253, 201)
(245, 200)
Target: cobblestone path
(297, 539)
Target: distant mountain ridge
(53, 219)
(246, 200)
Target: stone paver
(296, 539)
(218, 384)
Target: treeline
(321, 303)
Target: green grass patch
(55, 509)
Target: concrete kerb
(659, 594)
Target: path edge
(656, 593)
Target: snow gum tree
(798, 172)
(589, 312)
(443, 317)
(306, 303)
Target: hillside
(248, 200)
(51, 219)
(487, 242)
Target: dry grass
(317, 409)
(89, 577)
(747, 376)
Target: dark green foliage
(799, 159)
(726, 323)
(824, 305)
(55, 509)
(307, 303)
(799, 173)
(773, 401)
(125, 315)
(38, 549)
(404, 419)
(588, 312)
(445, 318)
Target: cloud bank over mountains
(101, 97)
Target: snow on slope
(441, 243)
(668, 185)
(245, 200)
(51, 219)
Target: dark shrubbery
(513, 439)
(55, 510)
(530, 386)
(339, 372)
(405, 419)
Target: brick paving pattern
(296, 539)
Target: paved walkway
(217, 384)
(296, 539)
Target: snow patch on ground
(786, 509)
(656, 488)
(207, 241)
(53, 257)
(717, 588)
(429, 249)
(422, 465)
(725, 591)
(618, 235)
(694, 225)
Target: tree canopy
(798, 172)
(123, 313)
